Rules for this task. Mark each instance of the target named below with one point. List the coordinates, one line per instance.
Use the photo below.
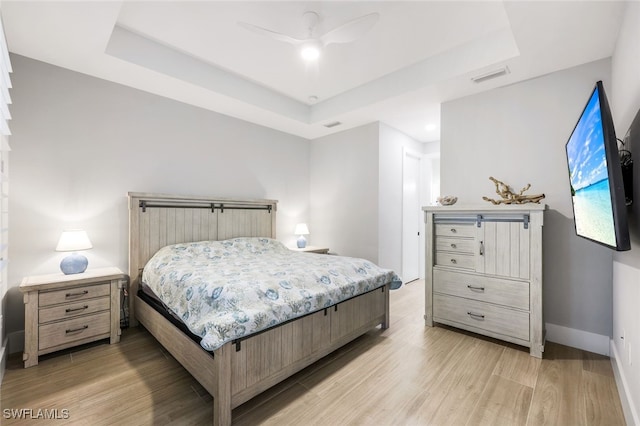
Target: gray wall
(344, 187)
(356, 193)
(81, 143)
(517, 134)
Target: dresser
(484, 271)
(62, 311)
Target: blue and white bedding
(223, 290)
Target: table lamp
(302, 230)
(74, 240)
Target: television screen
(597, 190)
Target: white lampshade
(74, 240)
(301, 229)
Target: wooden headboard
(158, 220)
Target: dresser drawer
(73, 294)
(60, 333)
(71, 310)
(455, 260)
(457, 245)
(465, 230)
(486, 289)
(485, 316)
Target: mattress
(225, 290)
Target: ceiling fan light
(310, 51)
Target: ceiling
(418, 55)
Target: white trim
(16, 341)
(630, 414)
(407, 152)
(575, 338)
(3, 359)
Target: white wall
(392, 144)
(344, 192)
(625, 102)
(517, 134)
(431, 151)
(356, 193)
(81, 143)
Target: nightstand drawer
(457, 245)
(60, 333)
(71, 310)
(73, 294)
(466, 230)
(455, 260)
(459, 311)
(487, 289)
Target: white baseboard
(16, 341)
(584, 340)
(630, 413)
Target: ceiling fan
(311, 46)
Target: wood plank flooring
(407, 375)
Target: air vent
(332, 124)
(491, 74)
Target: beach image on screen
(590, 178)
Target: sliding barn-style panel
(161, 226)
(265, 359)
(266, 355)
(244, 223)
(506, 249)
(356, 313)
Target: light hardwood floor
(407, 375)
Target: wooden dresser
(484, 271)
(62, 311)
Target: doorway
(411, 215)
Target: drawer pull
(82, 293)
(76, 309)
(454, 261)
(73, 330)
(474, 315)
(481, 248)
(453, 245)
(473, 287)
(454, 230)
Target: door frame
(419, 190)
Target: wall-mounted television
(595, 174)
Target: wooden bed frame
(239, 370)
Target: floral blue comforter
(223, 290)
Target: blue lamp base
(302, 242)
(74, 264)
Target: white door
(411, 216)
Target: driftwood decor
(510, 197)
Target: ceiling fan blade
(351, 30)
(269, 33)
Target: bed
(236, 362)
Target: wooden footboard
(238, 371)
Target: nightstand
(62, 311)
(312, 249)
